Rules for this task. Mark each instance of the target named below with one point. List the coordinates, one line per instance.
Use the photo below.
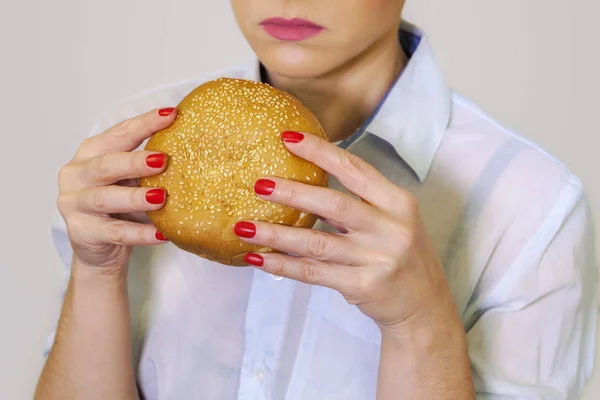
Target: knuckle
(352, 164)
(319, 245)
(141, 235)
(270, 234)
(103, 166)
(75, 226)
(368, 286)
(134, 162)
(409, 202)
(308, 271)
(319, 144)
(87, 144)
(278, 266)
(100, 199)
(135, 196)
(116, 232)
(405, 238)
(291, 195)
(65, 174)
(340, 205)
(124, 128)
(63, 204)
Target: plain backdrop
(533, 64)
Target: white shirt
(510, 223)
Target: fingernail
(155, 196)
(160, 236)
(264, 186)
(292, 137)
(156, 160)
(165, 112)
(245, 229)
(254, 259)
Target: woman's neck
(343, 99)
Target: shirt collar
(414, 114)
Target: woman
(467, 268)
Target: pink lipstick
(295, 29)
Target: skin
(348, 66)
(381, 259)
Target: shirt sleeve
(534, 336)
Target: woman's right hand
(99, 199)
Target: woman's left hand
(381, 260)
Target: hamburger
(226, 136)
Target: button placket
(266, 314)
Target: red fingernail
(264, 186)
(292, 137)
(254, 259)
(156, 160)
(165, 112)
(245, 229)
(160, 236)
(155, 196)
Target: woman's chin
(294, 64)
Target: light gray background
(533, 64)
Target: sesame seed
(226, 137)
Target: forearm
(427, 363)
(91, 357)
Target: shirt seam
(463, 101)
(571, 194)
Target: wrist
(435, 321)
(83, 273)
(428, 338)
(426, 362)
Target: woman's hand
(381, 260)
(98, 195)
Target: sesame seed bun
(227, 135)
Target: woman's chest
(213, 332)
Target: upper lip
(289, 22)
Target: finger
(302, 242)
(125, 233)
(127, 135)
(141, 217)
(327, 203)
(105, 200)
(303, 269)
(106, 169)
(94, 230)
(353, 172)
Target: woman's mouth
(295, 29)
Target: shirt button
(260, 374)
(277, 278)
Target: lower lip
(292, 32)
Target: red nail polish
(156, 160)
(165, 112)
(264, 186)
(245, 229)
(155, 196)
(292, 137)
(160, 236)
(254, 259)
